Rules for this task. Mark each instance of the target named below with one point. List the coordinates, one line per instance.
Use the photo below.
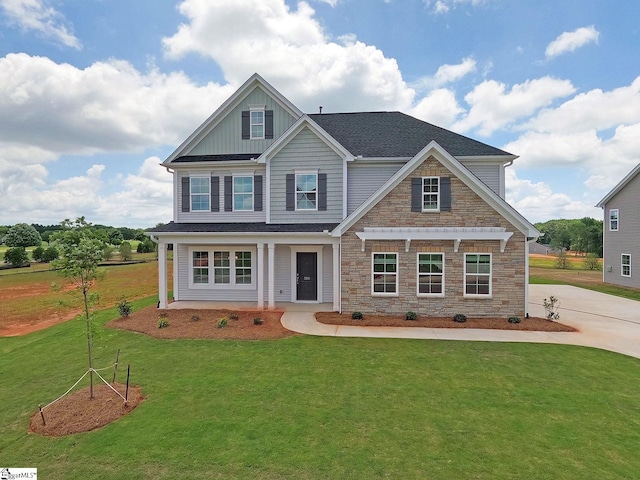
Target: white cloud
(38, 16)
(343, 76)
(570, 41)
(493, 107)
(444, 6)
(438, 107)
(446, 74)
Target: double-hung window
(614, 219)
(625, 260)
(200, 261)
(242, 193)
(200, 193)
(430, 274)
(430, 194)
(221, 268)
(384, 274)
(243, 268)
(256, 122)
(477, 274)
(306, 191)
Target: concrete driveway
(604, 321)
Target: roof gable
(623, 183)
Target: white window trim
(418, 293)
(427, 210)
(232, 249)
(295, 189)
(191, 194)
(464, 278)
(233, 196)
(397, 274)
(622, 265)
(251, 124)
(617, 219)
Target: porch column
(336, 277)
(260, 282)
(175, 272)
(162, 274)
(272, 275)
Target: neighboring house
(621, 232)
(370, 212)
(543, 249)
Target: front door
(307, 276)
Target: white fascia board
(295, 129)
(228, 105)
(630, 176)
(487, 159)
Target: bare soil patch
(202, 323)
(77, 412)
(527, 324)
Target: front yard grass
(329, 408)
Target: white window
(243, 268)
(613, 220)
(256, 124)
(200, 193)
(306, 191)
(430, 194)
(477, 274)
(431, 274)
(200, 267)
(384, 274)
(242, 193)
(625, 260)
(222, 267)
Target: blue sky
(94, 94)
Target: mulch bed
(77, 412)
(528, 324)
(195, 323)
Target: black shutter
(186, 195)
(291, 191)
(322, 191)
(246, 134)
(215, 194)
(228, 194)
(445, 194)
(416, 194)
(257, 193)
(268, 124)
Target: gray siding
(625, 240)
(226, 137)
(222, 216)
(364, 179)
(327, 274)
(489, 174)
(306, 152)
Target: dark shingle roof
(216, 158)
(256, 227)
(394, 134)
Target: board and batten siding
(364, 179)
(226, 137)
(306, 152)
(488, 174)
(222, 216)
(625, 240)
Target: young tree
(22, 235)
(125, 251)
(80, 252)
(16, 256)
(38, 253)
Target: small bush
(513, 319)
(460, 318)
(107, 252)
(195, 318)
(163, 323)
(124, 307)
(125, 251)
(16, 256)
(233, 316)
(50, 254)
(591, 262)
(551, 308)
(357, 316)
(222, 323)
(258, 321)
(411, 316)
(562, 261)
(37, 253)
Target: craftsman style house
(621, 230)
(370, 212)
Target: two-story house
(621, 231)
(371, 212)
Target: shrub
(37, 253)
(195, 318)
(146, 246)
(107, 252)
(258, 321)
(513, 319)
(125, 251)
(50, 254)
(163, 322)
(124, 307)
(222, 323)
(411, 316)
(233, 316)
(551, 308)
(460, 318)
(592, 262)
(16, 256)
(562, 261)
(357, 315)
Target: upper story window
(477, 274)
(243, 193)
(306, 191)
(430, 194)
(256, 122)
(625, 260)
(613, 219)
(200, 193)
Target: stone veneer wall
(467, 210)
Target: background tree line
(581, 235)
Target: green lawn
(330, 408)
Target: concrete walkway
(604, 321)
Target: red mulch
(535, 324)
